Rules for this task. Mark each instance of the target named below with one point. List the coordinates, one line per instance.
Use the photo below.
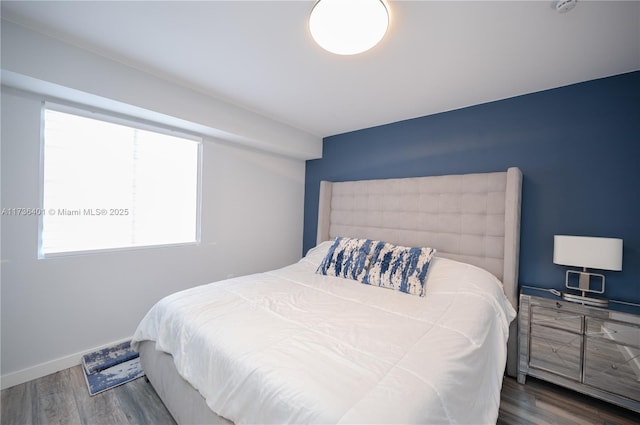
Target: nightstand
(593, 350)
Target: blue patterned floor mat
(110, 367)
(107, 357)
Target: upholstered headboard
(474, 218)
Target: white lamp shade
(590, 252)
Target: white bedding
(292, 346)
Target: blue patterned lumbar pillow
(348, 258)
(400, 268)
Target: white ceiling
(437, 56)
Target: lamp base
(584, 282)
(582, 299)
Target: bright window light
(109, 185)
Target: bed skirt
(185, 403)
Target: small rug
(110, 367)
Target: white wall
(34, 61)
(55, 310)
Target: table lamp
(587, 252)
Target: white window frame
(115, 118)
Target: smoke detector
(563, 6)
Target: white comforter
(291, 346)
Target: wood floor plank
(546, 402)
(101, 409)
(62, 398)
(141, 404)
(17, 406)
(54, 399)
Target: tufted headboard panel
(474, 218)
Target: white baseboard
(47, 368)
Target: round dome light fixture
(563, 6)
(348, 27)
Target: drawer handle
(614, 366)
(555, 350)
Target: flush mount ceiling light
(563, 6)
(348, 27)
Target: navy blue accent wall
(578, 148)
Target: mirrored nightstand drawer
(612, 367)
(614, 331)
(557, 318)
(556, 351)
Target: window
(110, 183)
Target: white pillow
(316, 254)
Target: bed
(296, 346)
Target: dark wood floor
(538, 402)
(62, 398)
